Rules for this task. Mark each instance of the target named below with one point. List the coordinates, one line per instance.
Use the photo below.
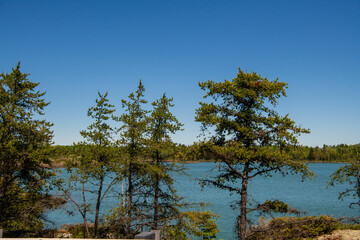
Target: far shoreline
(56, 165)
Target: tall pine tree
(244, 125)
(24, 142)
(168, 212)
(165, 202)
(95, 163)
(133, 142)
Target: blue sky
(77, 48)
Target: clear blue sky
(75, 48)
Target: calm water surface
(310, 196)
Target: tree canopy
(165, 202)
(243, 125)
(24, 142)
(132, 133)
(93, 167)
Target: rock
(342, 235)
(62, 233)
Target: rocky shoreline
(342, 235)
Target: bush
(45, 233)
(352, 223)
(295, 228)
(77, 230)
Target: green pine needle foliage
(24, 150)
(240, 117)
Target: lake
(310, 196)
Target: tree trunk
(98, 202)
(358, 185)
(86, 225)
(129, 205)
(156, 205)
(243, 202)
(358, 177)
(156, 196)
(85, 207)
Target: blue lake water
(311, 196)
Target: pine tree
(24, 149)
(175, 217)
(92, 164)
(151, 199)
(165, 202)
(102, 164)
(133, 141)
(244, 126)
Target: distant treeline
(326, 153)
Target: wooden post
(157, 234)
(153, 234)
(1, 233)
(145, 235)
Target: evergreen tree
(93, 164)
(151, 199)
(165, 202)
(24, 142)
(133, 142)
(102, 164)
(245, 125)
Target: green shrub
(295, 228)
(352, 223)
(77, 230)
(44, 233)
